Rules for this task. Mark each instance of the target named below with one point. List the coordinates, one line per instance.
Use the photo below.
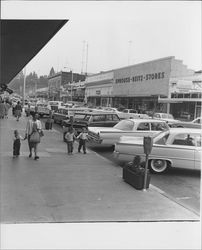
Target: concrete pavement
(73, 188)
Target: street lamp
(24, 86)
(71, 84)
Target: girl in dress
(16, 143)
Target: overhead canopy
(21, 40)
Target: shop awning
(21, 40)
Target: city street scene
(100, 122)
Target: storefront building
(137, 86)
(59, 85)
(99, 89)
(185, 97)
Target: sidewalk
(73, 188)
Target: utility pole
(82, 61)
(86, 57)
(129, 51)
(72, 84)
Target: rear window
(125, 125)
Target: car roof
(185, 130)
(93, 112)
(146, 120)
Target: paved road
(181, 185)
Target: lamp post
(24, 84)
(71, 84)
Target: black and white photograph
(100, 124)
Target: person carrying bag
(35, 136)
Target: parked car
(55, 105)
(129, 127)
(126, 113)
(165, 117)
(43, 109)
(131, 114)
(93, 118)
(60, 115)
(196, 123)
(197, 120)
(179, 148)
(64, 113)
(185, 115)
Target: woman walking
(2, 109)
(33, 131)
(7, 107)
(18, 111)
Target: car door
(181, 151)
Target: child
(82, 140)
(16, 143)
(70, 137)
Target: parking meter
(148, 143)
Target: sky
(105, 35)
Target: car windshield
(125, 125)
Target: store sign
(140, 78)
(98, 92)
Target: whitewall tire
(158, 165)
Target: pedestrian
(16, 143)
(13, 108)
(33, 128)
(70, 137)
(18, 111)
(28, 110)
(83, 137)
(2, 109)
(7, 106)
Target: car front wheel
(158, 165)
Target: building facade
(59, 85)
(185, 96)
(136, 86)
